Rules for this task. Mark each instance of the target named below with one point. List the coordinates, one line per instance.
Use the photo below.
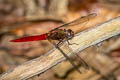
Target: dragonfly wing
(82, 61)
(67, 57)
(76, 56)
(31, 38)
(78, 21)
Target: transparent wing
(78, 21)
(65, 55)
(76, 56)
(84, 64)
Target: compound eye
(69, 30)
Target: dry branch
(85, 39)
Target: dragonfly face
(70, 34)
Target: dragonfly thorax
(61, 34)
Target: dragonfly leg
(72, 43)
(59, 43)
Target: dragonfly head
(70, 34)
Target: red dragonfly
(61, 34)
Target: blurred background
(20, 18)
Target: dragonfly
(62, 34)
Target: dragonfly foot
(73, 44)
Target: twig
(85, 39)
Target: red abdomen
(31, 38)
